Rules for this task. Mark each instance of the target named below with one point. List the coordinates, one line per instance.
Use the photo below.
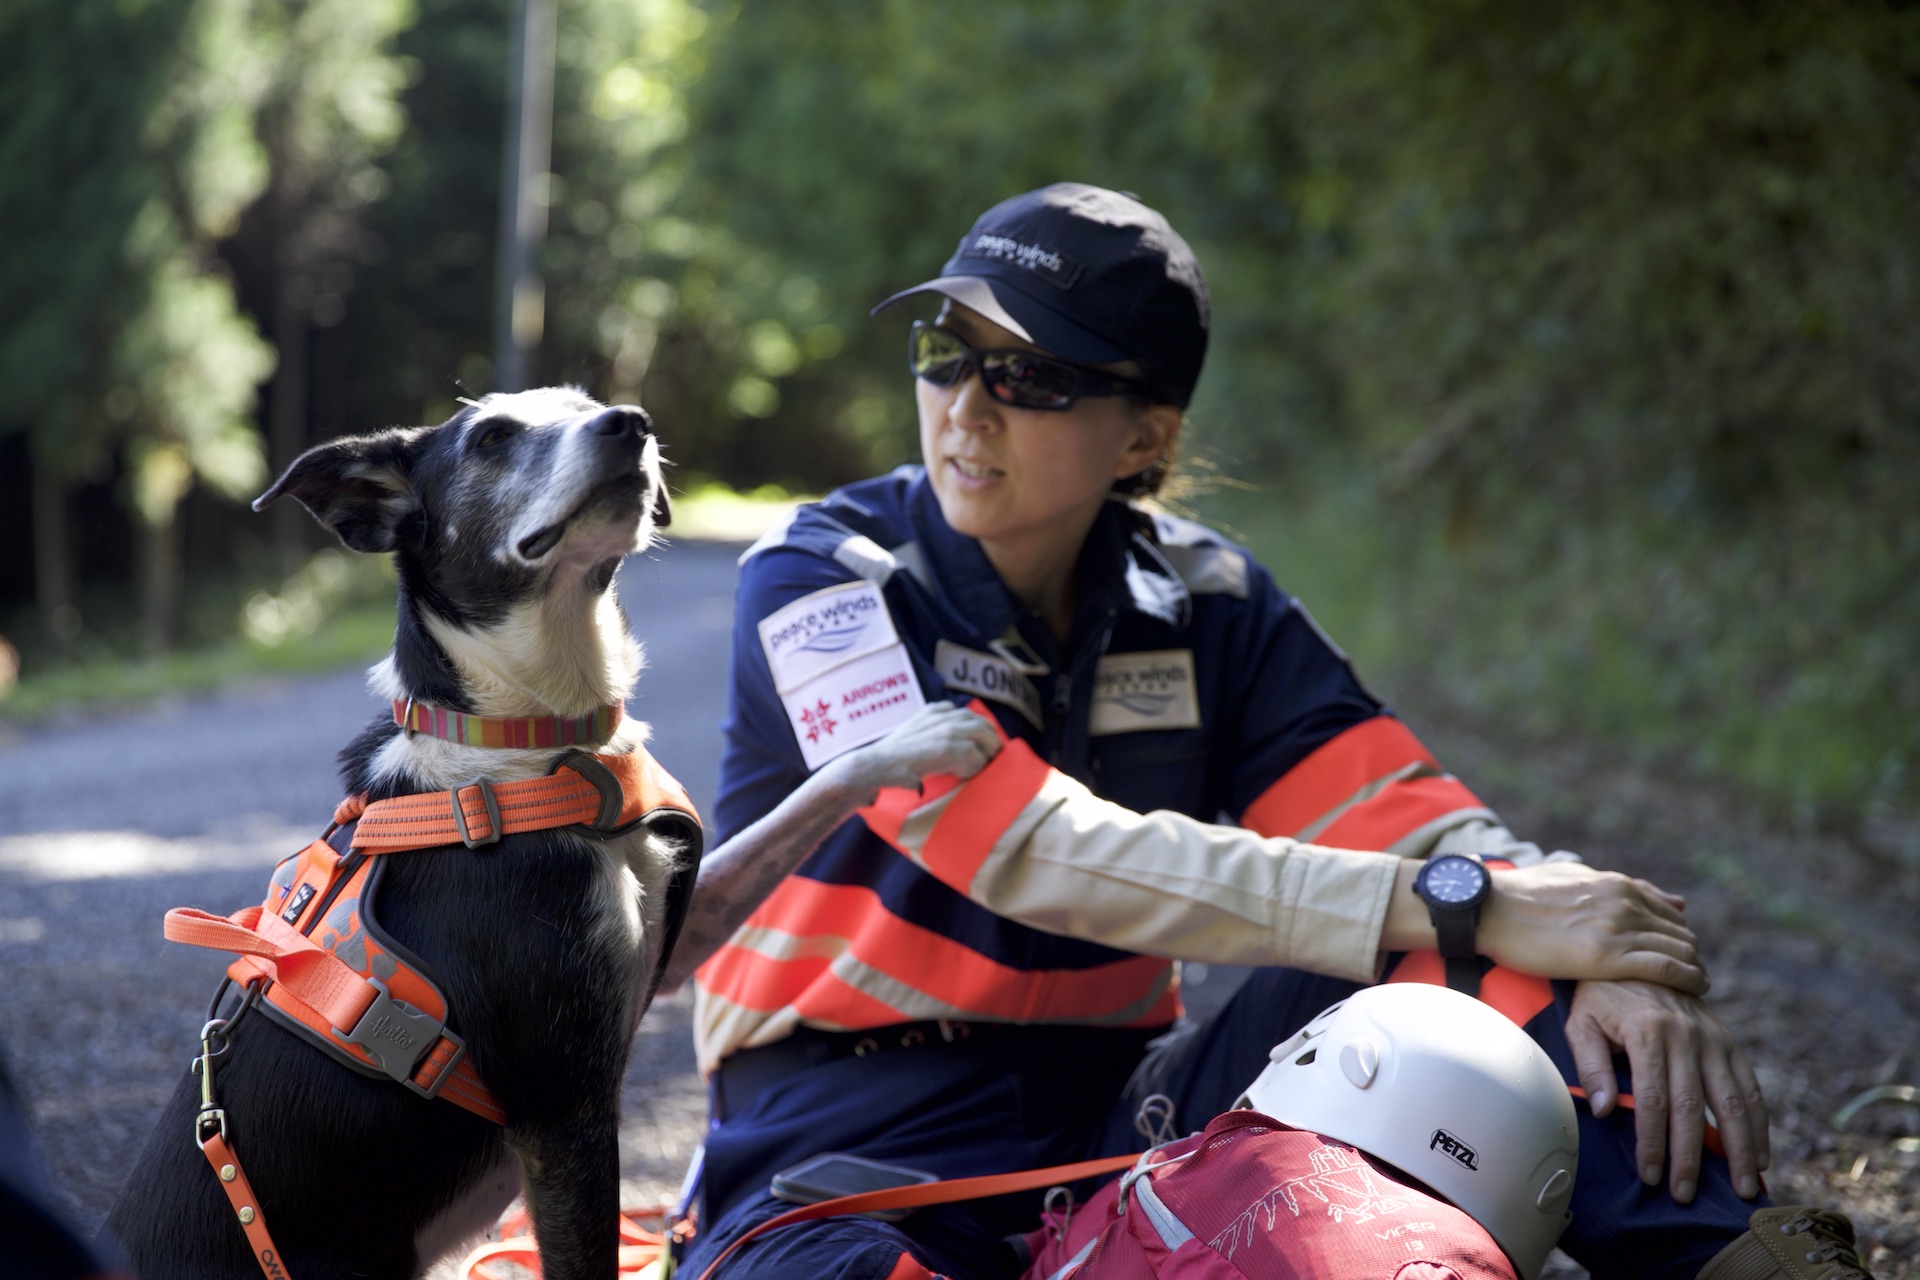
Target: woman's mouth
(977, 472)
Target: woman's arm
(738, 876)
(1033, 845)
(1565, 920)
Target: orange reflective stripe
(839, 1003)
(894, 805)
(835, 919)
(1401, 809)
(1337, 769)
(891, 808)
(909, 1268)
(981, 813)
(1520, 996)
(758, 982)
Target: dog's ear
(361, 487)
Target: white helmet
(1445, 1089)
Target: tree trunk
(53, 555)
(158, 555)
(287, 428)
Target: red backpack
(1250, 1197)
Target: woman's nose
(973, 407)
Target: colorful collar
(508, 731)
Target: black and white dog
(507, 524)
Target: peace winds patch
(840, 669)
(1149, 690)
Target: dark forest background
(1564, 355)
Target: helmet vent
(1306, 1059)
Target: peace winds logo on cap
(1087, 274)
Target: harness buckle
(612, 800)
(398, 1036)
(487, 798)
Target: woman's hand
(1566, 920)
(942, 738)
(1684, 1062)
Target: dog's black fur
(507, 523)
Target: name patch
(1149, 690)
(840, 669)
(990, 677)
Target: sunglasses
(1023, 379)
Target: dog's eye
(489, 436)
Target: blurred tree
(1611, 308)
(330, 110)
(117, 331)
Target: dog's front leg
(570, 1169)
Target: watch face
(1454, 879)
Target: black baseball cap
(1089, 275)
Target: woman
(963, 980)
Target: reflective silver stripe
(1073, 1264)
(771, 538)
(910, 558)
(1209, 571)
(867, 558)
(1173, 1232)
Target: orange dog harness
(324, 969)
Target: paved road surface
(106, 824)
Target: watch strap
(1455, 928)
(1463, 975)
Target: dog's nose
(620, 420)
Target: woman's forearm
(737, 877)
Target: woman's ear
(1154, 429)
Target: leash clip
(211, 1118)
(487, 798)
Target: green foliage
(1610, 311)
(113, 326)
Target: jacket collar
(1120, 566)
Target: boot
(1790, 1242)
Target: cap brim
(1020, 314)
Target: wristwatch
(1454, 887)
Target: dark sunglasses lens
(936, 355)
(1030, 381)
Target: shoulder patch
(1209, 570)
(840, 669)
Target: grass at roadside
(354, 635)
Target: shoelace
(1835, 1241)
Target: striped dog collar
(508, 731)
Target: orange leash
(924, 1193)
(246, 1205)
(641, 1245)
(210, 1132)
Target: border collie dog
(507, 523)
